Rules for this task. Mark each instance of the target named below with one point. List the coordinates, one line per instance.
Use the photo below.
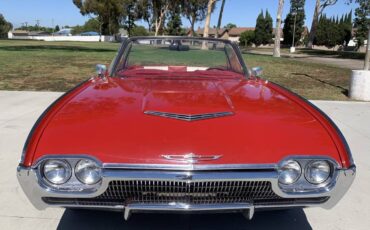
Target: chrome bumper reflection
(36, 190)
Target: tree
(260, 29)
(210, 8)
(347, 27)
(159, 11)
(319, 9)
(57, 28)
(129, 20)
(174, 24)
(194, 10)
(230, 26)
(268, 28)
(219, 21)
(362, 21)
(146, 9)
(109, 13)
(246, 38)
(330, 32)
(296, 14)
(277, 29)
(263, 31)
(91, 25)
(5, 27)
(139, 31)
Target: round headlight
(289, 172)
(88, 172)
(317, 172)
(57, 171)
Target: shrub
(247, 38)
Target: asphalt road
(19, 111)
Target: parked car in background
(63, 32)
(90, 33)
(181, 124)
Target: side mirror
(257, 71)
(101, 70)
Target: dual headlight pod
(58, 172)
(315, 172)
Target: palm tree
(208, 21)
(220, 17)
(278, 29)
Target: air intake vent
(186, 117)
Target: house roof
(211, 31)
(20, 32)
(236, 31)
(36, 33)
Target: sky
(243, 13)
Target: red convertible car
(181, 124)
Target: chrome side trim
(189, 117)
(191, 167)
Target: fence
(65, 38)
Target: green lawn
(58, 66)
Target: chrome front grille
(152, 191)
(120, 193)
(188, 117)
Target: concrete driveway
(319, 59)
(19, 111)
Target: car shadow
(88, 219)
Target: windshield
(179, 57)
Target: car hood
(108, 120)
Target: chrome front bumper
(36, 190)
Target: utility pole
(52, 26)
(38, 23)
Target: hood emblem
(187, 117)
(191, 157)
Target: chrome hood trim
(189, 117)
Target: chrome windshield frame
(126, 44)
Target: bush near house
(247, 38)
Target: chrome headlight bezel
(302, 185)
(85, 169)
(64, 164)
(73, 184)
(325, 168)
(290, 168)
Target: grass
(58, 66)
(310, 80)
(52, 66)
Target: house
(26, 33)
(38, 33)
(232, 34)
(19, 33)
